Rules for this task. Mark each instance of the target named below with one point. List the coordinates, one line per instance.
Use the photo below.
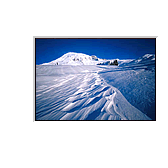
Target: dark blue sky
(50, 49)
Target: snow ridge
(79, 93)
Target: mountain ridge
(73, 58)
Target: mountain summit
(72, 58)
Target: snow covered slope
(136, 81)
(145, 60)
(80, 93)
(120, 62)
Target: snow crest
(80, 93)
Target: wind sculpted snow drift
(85, 92)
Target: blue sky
(50, 49)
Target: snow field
(80, 93)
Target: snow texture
(136, 81)
(95, 92)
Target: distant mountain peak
(146, 56)
(73, 58)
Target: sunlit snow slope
(136, 81)
(81, 93)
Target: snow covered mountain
(144, 60)
(72, 58)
